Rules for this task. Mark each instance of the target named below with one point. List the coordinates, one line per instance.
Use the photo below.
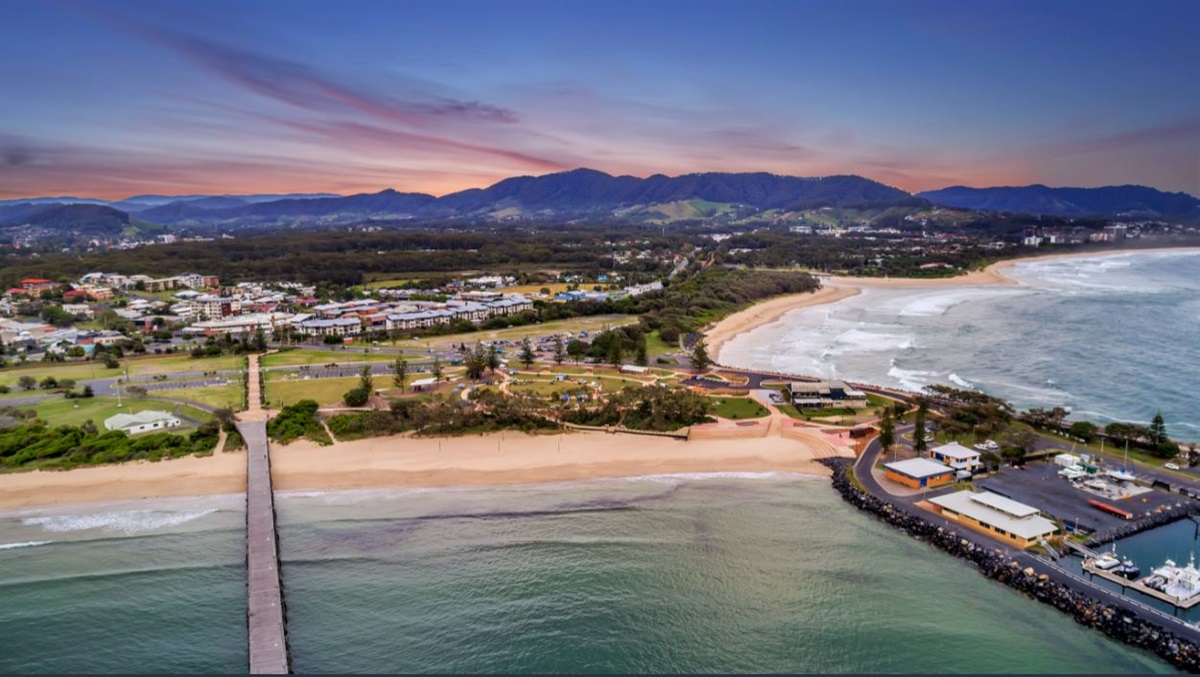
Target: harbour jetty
(266, 616)
(1017, 571)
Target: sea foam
(126, 522)
(26, 544)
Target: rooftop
(979, 506)
(918, 468)
(956, 451)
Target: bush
(356, 397)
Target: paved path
(265, 617)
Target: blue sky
(117, 98)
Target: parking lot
(1040, 486)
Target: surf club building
(994, 515)
(825, 394)
(919, 473)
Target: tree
(48, 383)
(88, 392)
(887, 428)
(493, 359)
(475, 362)
(642, 356)
(89, 427)
(919, 442)
(1020, 443)
(224, 416)
(110, 361)
(1161, 445)
(437, 370)
(700, 358)
(1084, 430)
(366, 381)
(527, 356)
(577, 349)
(560, 350)
(615, 352)
(1156, 434)
(137, 391)
(27, 382)
(400, 373)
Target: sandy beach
(497, 459)
(837, 288)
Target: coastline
(838, 288)
(509, 458)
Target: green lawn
(656, 346)
(76, 411)
(59, 370)
(324, 391)
(576, 324)
(289, 358)
(738, 408)
(228, 396)
(181, 363)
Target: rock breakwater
(1117, 623)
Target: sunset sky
(111, 99)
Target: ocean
(706, 573)
(1114, 337)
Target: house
(919, 473)
(639, 289)
(956, 456)
(999, 517)
(824, 394)
(143, 421)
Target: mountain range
(586, 192)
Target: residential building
(919, 473)
(36, 285)
(214, 307)
(338, 326)
(956, 456)
(999, 517)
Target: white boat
(1098, 485)
(1121, 475)
(1107, 561)
(1182, 583)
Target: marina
(1175, 585)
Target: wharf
(1125, 583)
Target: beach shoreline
(498, 459)
(837, 288)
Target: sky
(116, 98)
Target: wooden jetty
(1126, 583)
(265, 611)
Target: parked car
(1170, 466)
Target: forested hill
(1131, 201)
(573, 193)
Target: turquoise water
(666, 574)
(1113, 337)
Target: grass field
(576, 324)
(738, 408)
(228, 396)
(75, 412)
(324, 391)
(60, 370)
(182, 363)
(656, 346)
(291, 358)
(530, 289)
